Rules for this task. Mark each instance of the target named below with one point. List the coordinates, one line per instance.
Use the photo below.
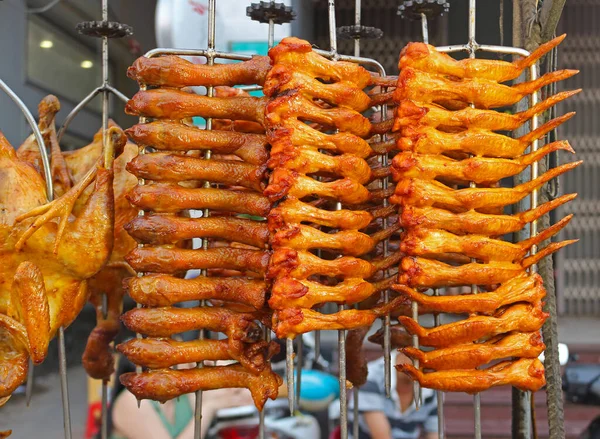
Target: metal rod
(29, 384)
(472, 48)
(207, 155)
(289, 371)
(439, 394)
(332, 28)
(64, 384)
(75, 111)
(104, 414)
(342, 373)
(261, 414)
(299, 364)
(424, 28)
(357, 19)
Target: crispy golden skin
(410, 113)
(165, 384)
(164, 290)
(291, 131)
(433, 243)
(480, 170)
(524, 374)
(293, 105)
(282, 78)
(425, 193)
(473, 355)
(165, 103)
(346, 242)
(427, 140)
(166, 167)
(456, 93)
(298, 54)
(291, 211)
(174, 260)
(290, 322)
(284, 182)
(475, 222)
(172, 198)
(524, 288)
(287, 292)
(155, 353)
(160, 229)
(518, 317)
(302, 264)
(171, 136)
(428, 273)
(174, 71)
(308, 161)
(425, 57)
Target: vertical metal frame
(472, 47)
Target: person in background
(172, 420)
(396, 417)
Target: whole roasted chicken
(48, 253)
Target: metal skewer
(471, 49)
(210, 53)
(436, 317)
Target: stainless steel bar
(424, 28)
(117, 93)
(289, 371)
(439, 394)
(212, 9)
(261, 415)
(472, 47)
(343, 388)
(75, 111)
(64, 383)
(29, 384)
(108, 157)
(299, 364)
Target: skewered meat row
(234, 259)
(306, 89)
(448, 172)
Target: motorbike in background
(581, 385)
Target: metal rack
(210, 54)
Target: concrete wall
(13, 41)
